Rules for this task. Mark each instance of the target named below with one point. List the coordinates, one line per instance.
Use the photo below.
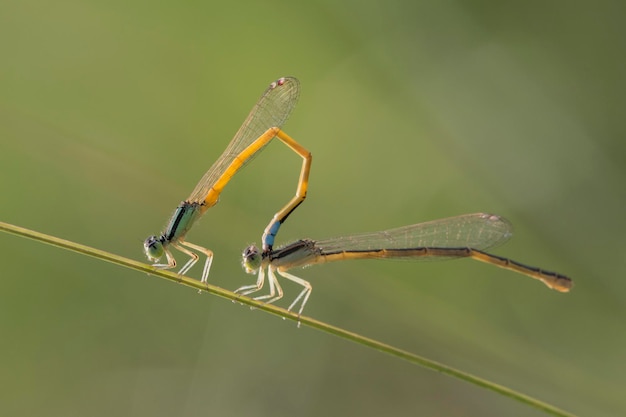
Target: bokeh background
(110, 112)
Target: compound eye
(251, 259)
(153, 248)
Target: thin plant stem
(281, 312)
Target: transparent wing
(272, 110)
(478, 231)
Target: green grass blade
(353, 337)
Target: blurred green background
(110, 112)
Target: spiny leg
(193, 258)
(250, 289)
(274, 288)
(207, 264)
(304, 294)
(171, 262)
(273, 283)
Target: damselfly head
(153, 246)
(251, 259)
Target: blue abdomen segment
(270, 235)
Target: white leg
(188, 265)
(249, 289)
(304, 294)
(193, 258)
(274, 288)
(171, 262)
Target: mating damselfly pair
(465, 236)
